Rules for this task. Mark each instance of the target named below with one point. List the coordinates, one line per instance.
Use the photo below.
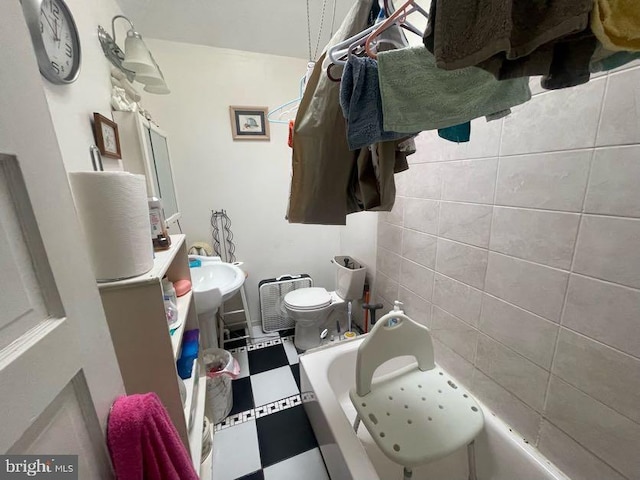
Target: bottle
(159, 234)
(169, 290)
(396, 308)
(170, 301)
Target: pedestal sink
(213, 282)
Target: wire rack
(223, 246)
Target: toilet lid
(308, 298)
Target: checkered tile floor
(267, 435)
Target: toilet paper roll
(113, 210)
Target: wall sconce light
(136, 62)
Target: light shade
(136, 55)
(157, 89)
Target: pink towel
(143, 442)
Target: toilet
(310, 307)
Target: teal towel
(417, 96)
(458, 133)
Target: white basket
(219, 395)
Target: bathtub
(327, 374)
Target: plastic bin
(220, 367)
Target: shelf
(195, 433)
(183, 310)
(161, 264)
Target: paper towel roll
(112, 208)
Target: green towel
(417, 96)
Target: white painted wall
(72, 106)
(248, 179)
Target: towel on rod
(604, 60)
(361, 104)
(616, 23)
(467, 32)
(417, 95)
(144, 444)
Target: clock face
(58, 48)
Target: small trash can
(221, 368)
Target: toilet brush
(349, 333)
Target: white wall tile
(388, 263)
(620, 123)
(390, 237)
(453, 363)
(606, 312)
(415, 306)
(421, 215)
(608, 375)
(419, 247)
(386, 288)
(604, 432)
(613, 184)
(459, 336)
(469, 180)
(535, 235)
(465, 222)
(462, 262)
(524, 379)
(553, 181)
(533, 287)
(569, 456)
(416, 278)
(396, 215)
(507, 277)
(424, 181)
(484, 142)
(457, 298)
(560, 120)
(531, 336)
(608, 248)
(509, 408)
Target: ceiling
(278, 27)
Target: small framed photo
(107, 138)
(249, 123)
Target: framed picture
(107, 138)
(249, 123)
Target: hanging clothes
(514, 39)
(361, 104)
(325, 184)
(467, 32)
(417, 96)
(616, 23)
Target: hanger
(399, 16)
(338, 54)
(275, 115)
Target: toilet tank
(349, 277)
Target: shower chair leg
(471, 455)
(408, 473)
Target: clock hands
(53, 29)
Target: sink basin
(214, 282)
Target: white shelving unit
(147, 352)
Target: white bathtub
(328, 373)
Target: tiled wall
(521, 251)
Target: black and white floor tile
(267, 435)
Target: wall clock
(55, 39)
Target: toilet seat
(304, 299)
